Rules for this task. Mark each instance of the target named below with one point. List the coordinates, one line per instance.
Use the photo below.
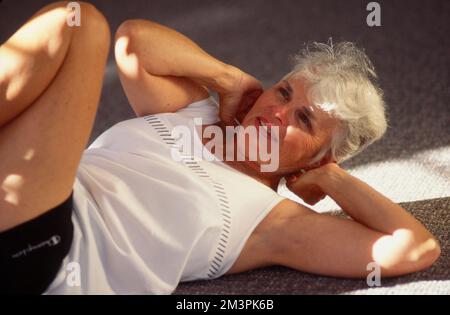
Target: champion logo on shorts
(52, 241)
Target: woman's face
(303, 127)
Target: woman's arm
(360, 201)
(403, 241)
(162, 70)
(382, 232)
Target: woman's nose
(280, 113)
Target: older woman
(143, 221)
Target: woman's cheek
(291, 146)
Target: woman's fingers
(305, 186)
(238, 101)
(228, 107)
(247, 103)
(315, 197)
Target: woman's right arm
(162, 70)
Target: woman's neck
(249, 168)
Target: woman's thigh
(41, 148)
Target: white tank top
(144, 221)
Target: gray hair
(341, 80)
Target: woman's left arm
(360, 201)
(294, 235)
(369, 208)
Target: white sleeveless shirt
(143, 221)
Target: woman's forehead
(299, 91)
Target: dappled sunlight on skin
(29, 155)
(37, 26)
(428, 245)
(12, 56)
(22, 54)
(131, 63)
(11, 185)
(388, 250)
(391, 250)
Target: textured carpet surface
(410, 51)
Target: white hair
(341, 81)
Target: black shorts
(31, 253)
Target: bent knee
(94, 25)
(127, 27)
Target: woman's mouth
(261, 122)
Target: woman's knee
(94, 25)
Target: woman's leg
(30, 59)
(49, 93)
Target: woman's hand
(238, 99)
(308, 185)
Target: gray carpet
(411, 164)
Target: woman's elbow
(426, 253)
(404, 253)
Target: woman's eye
(303, 118)
(284, 93)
